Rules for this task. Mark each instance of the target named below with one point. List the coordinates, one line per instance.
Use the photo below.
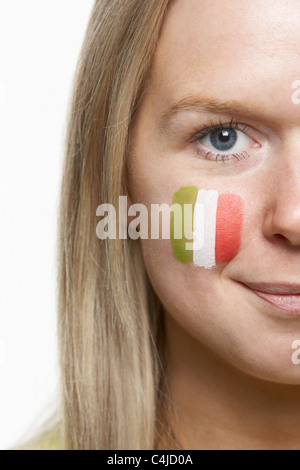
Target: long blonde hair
(110, 321)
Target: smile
(284, 296)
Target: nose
(282, 222)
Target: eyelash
(224, 157)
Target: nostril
(282, 223)
(280, 237)
(287, 240)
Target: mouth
(284, 296)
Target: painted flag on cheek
(216, 221)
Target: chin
(275, 362)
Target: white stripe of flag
(205, 216)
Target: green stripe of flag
(186, 195)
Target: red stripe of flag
(228, 226)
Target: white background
(39, 46)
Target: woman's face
(229, 62)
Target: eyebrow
(203, 104)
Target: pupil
(223, 140)
(224, 136)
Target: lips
(284, 296)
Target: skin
(230, 374)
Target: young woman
(184, 101)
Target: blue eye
(223, 142)
(224, 139)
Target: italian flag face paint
(209, 228)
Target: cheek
(206, 226)
(205, 231)
(229, 224)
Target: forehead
(238, 49)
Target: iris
(224, 139)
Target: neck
(215, 406)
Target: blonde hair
(110, 320)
